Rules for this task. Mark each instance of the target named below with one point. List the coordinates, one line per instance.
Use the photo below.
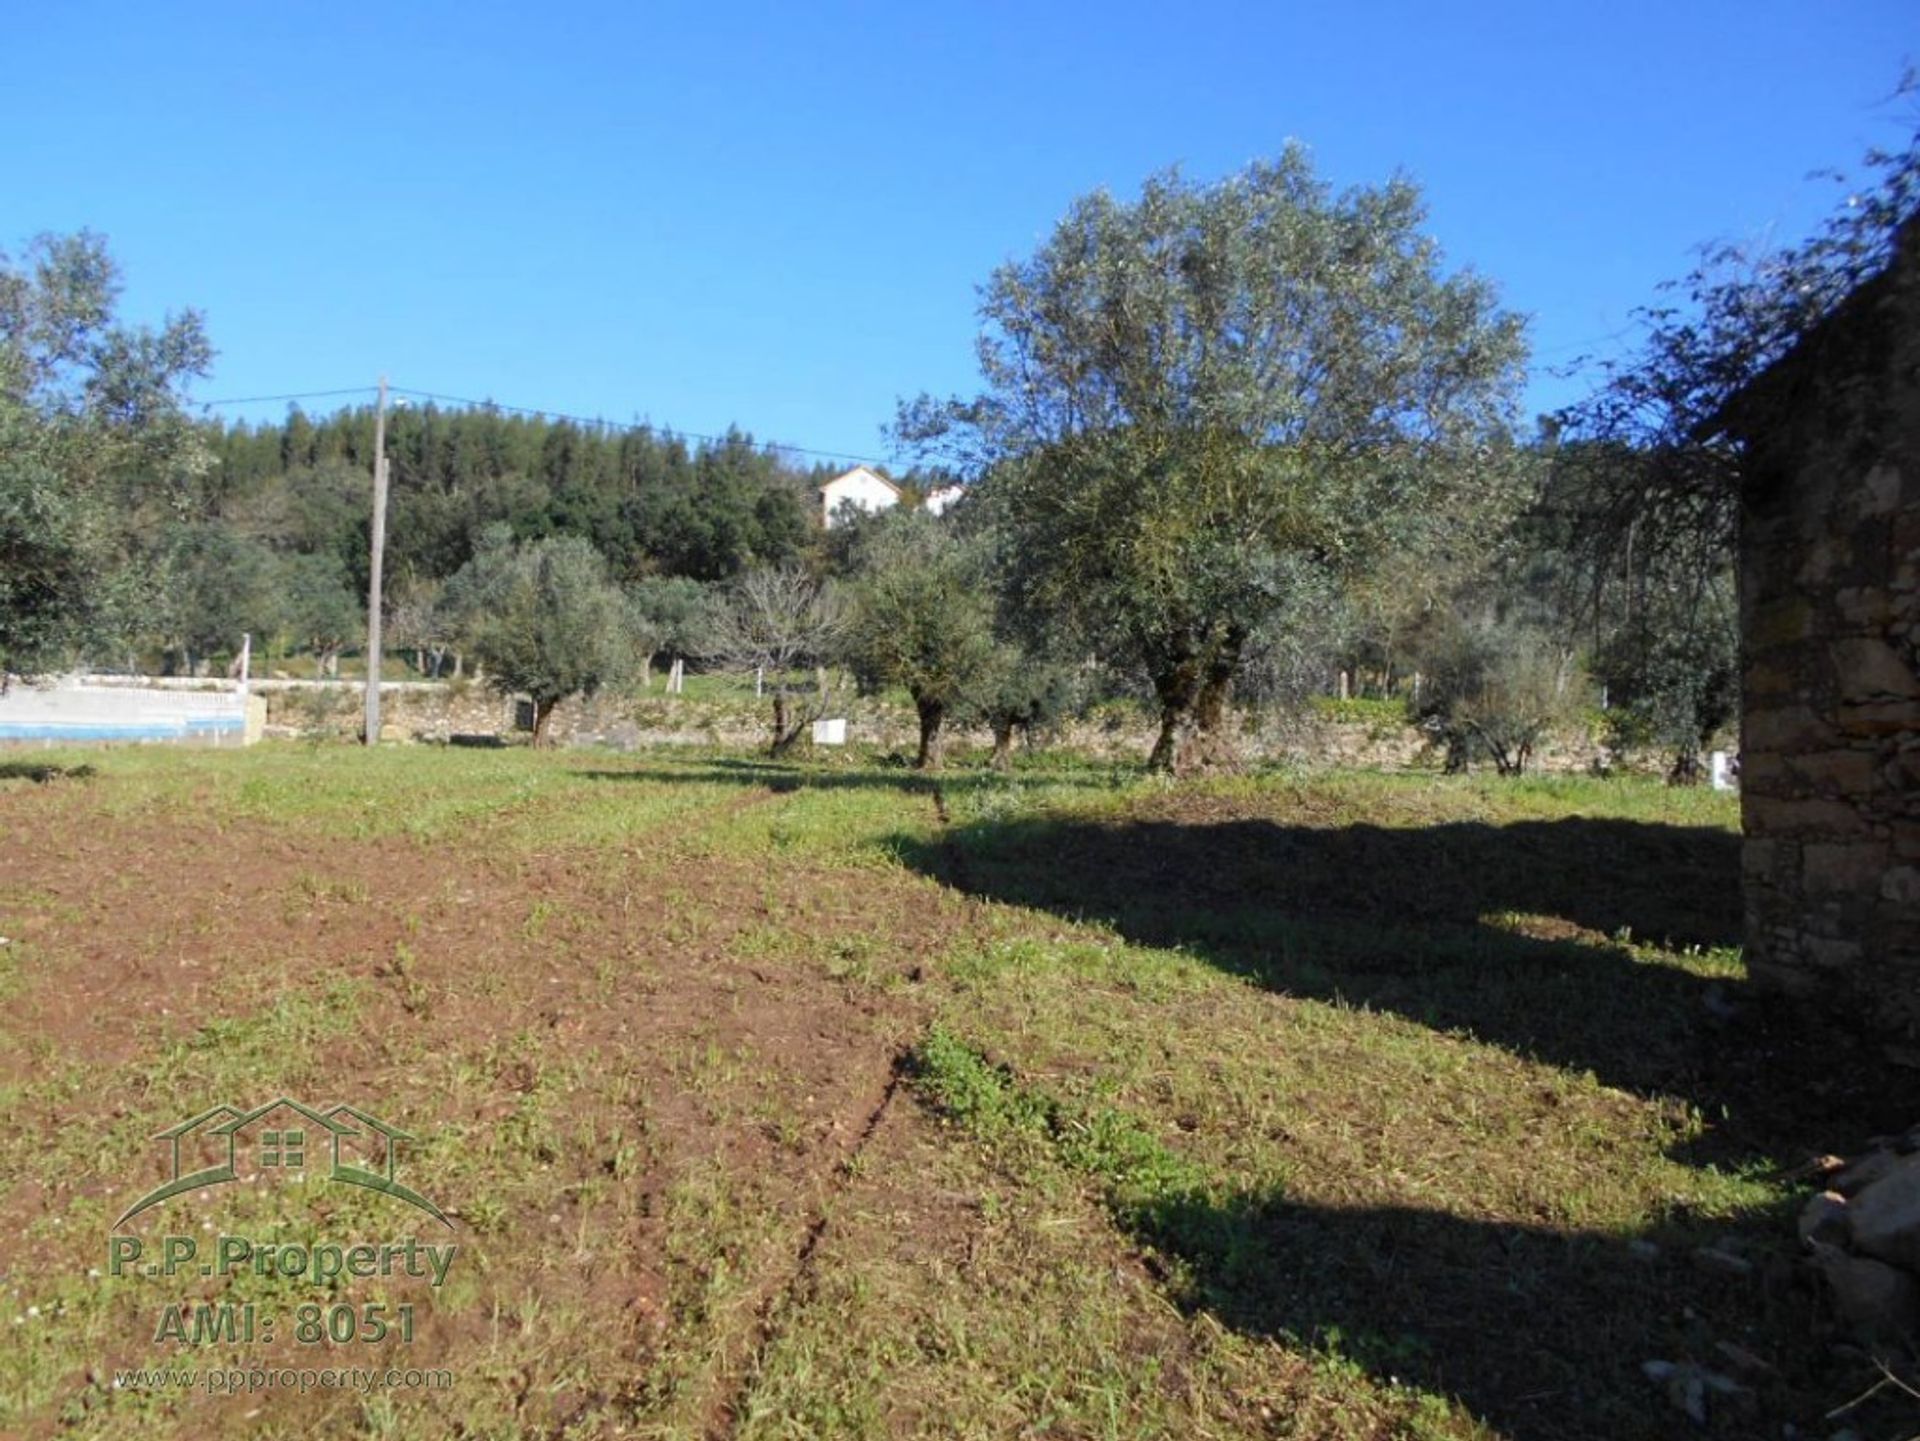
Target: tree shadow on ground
(1543, 1333)
(43, 772)
(786, 776)
(1515, 934)
(780, 777)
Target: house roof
(859, 470)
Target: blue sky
(777, 215)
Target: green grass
(1279, 1105)
(1378, 712)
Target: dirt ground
(657, 1030)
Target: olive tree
(319, 609)
(420, 620)
(219, 585)
(671, 614)
(1672, 667)
(545, 621)
(90, 421)
(1656, 454)
(922, 619)
(1191, 398)
(1021, 692)
(1497, 689)
(1653, 464)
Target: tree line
(1231, 439)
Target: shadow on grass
(1542, 1333)
(780, 777)
(1511, 933)
(890, 774)
(42, 772)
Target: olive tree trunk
(932, 714)
(542, 713)
(1002, 759)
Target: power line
(298, 395)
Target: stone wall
(434, 711)
(1830, 582)
(439, 712)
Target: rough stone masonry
(1830, 613)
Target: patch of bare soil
(601, 1046)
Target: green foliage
(1497, 689)
(961, 1085)
(1377, 712)
(922, 619)
(649, 502)
(545, 620)
(1023, 691)
(420, 620)
(734, 510)
(1134, 1168)
(91, 434)
(1657, 455)
(219, 584)
(1207, 408)
(48, 555)
(317, 606)
(672, 614)
(1673, 668)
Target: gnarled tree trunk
(1216, 680)
(1002, 759)
(932, 714)
(1210, 746)
(1175, 688)
(783, 738)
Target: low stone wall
(427, 711)
(439, 712)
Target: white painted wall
(71, 711)
(938, 500)
(860, 486)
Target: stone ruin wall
(1830, 600)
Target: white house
(860, 486)
(939, 498)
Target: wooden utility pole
(377, 554)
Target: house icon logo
(283, 1136)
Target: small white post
(1722, 772)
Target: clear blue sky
(776, 215)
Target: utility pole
(379, 545)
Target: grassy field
(819, 1100)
